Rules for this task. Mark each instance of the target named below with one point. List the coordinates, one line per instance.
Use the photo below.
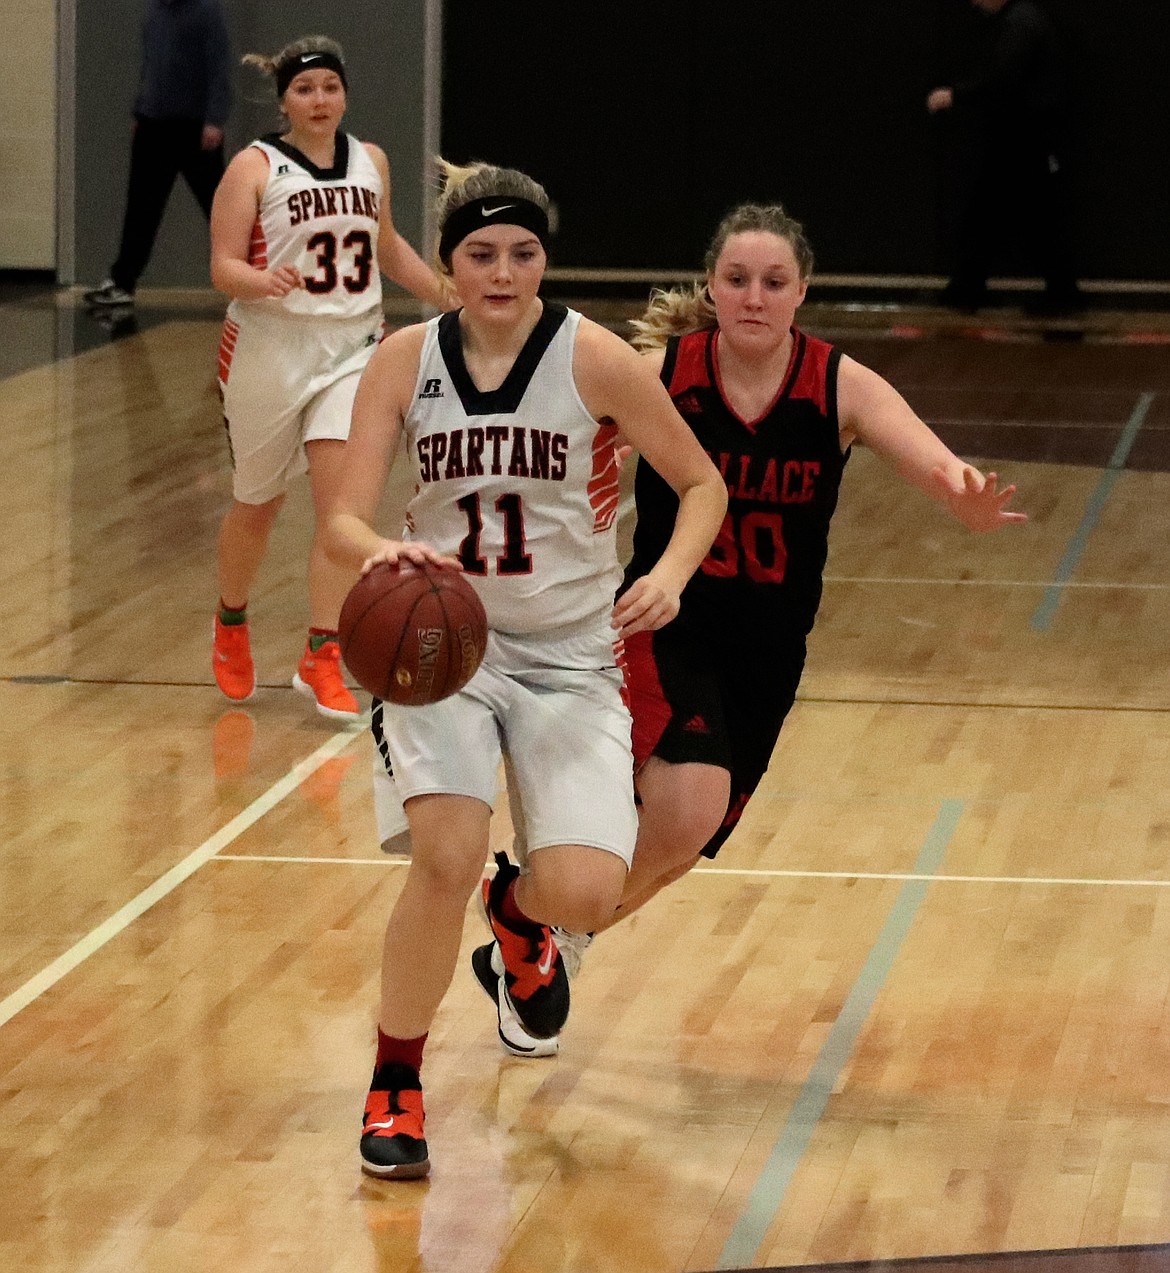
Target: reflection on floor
(44, 326)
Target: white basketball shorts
(555, 703)
(287, 381)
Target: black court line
(1101, 1259)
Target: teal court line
(747, 1237)
(1044, 613)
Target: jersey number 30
(326, 278)
(755, 547)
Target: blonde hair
(689, 308)
(460, 184)
(271, 64)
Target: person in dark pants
(1013, 113)
(183, 100)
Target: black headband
(497, 210)
(288, 71)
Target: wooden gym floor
(917, 1008)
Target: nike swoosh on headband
(491, 212)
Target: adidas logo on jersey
(432, 389)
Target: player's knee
(705, 822)
(448, 844)
(679, 818)
(451, 871)
(580, 897)
(586, 914)
(677, 837)
(258, 518)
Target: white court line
(312, 861)
(138, 906)
(940, 879)
(754, 870)
(1000, 423)
(993, 583)
(1099, 425)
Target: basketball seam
(452, 634)
(406, 623)
(400, 582)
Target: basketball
(412, 634)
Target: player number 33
(325, 279)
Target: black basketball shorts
(710, 707)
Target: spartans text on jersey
(332, 201)
(494, 448)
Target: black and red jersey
(761, 582)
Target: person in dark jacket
(1013, 112)
(184, 96)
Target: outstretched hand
(978, 503)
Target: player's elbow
(713, 492)
(221, 274)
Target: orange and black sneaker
(535, 985)
(393, 1144)
(231, 659)
(488, 965)
(318, 676)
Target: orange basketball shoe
(318, 676)
(523, 969)
(393, 1144)
(231, 659)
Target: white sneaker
(108, 294)
(572, 947)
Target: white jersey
(519, 483)
(323, 221)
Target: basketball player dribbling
(510, 408)
(778, 412)
(300, 228)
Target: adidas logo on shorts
(432, 389)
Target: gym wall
(646, 121)
(383, 43)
